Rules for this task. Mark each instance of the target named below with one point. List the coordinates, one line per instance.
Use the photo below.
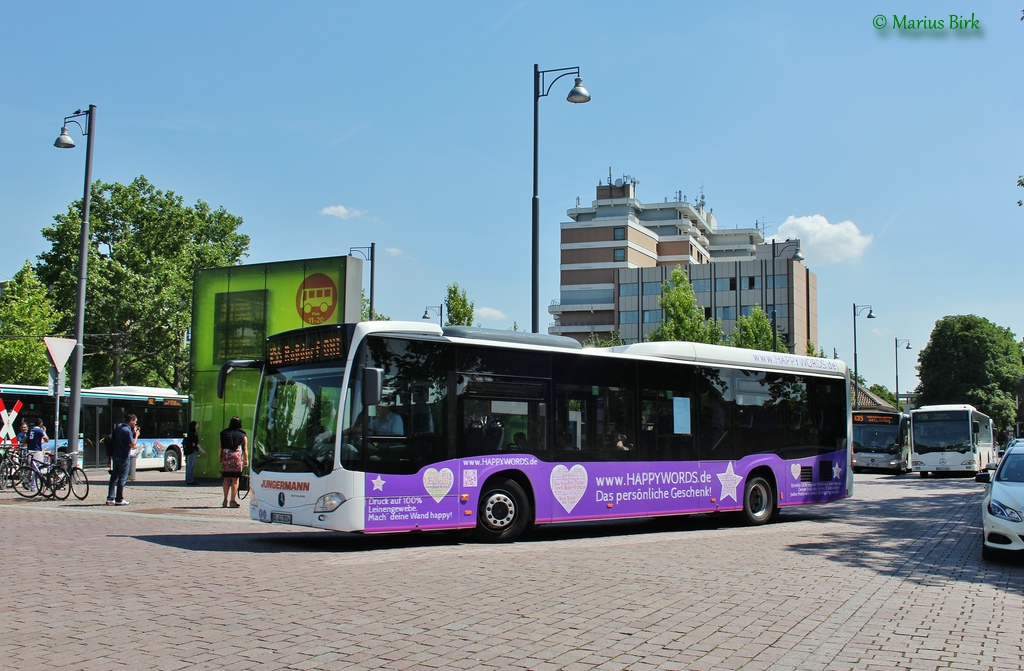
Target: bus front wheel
(504, 512)
(758, 501)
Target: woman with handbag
(191, 449)
(233, 457)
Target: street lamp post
(439, 309)
(775, 284)
(64, 141)
(857, 309)
(541, 88)
(899, 341)
(370, 254)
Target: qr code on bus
(469, 477)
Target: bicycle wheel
(59, 482)
(28, 482)
(8, 469)
(79, 483)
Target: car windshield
(1012, 468)
(297, 419)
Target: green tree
(145, 246)
(458, 308)
(613, 340)
(755, 332)
(26, 315)
(882, 392)
(683, 317)
(968, 359)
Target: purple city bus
(407, 426)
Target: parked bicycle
(42, 478)
(10, 462)
(79, 481)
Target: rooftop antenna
(609, 175)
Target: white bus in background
(951, 438)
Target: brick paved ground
(891, 579)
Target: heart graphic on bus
(568, 485)
(795, 470)
(438, 482)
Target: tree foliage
(458, 308)
(968, 359)
(26, 316)
(613, 340)
(882, 392)
(755, 332)
(683, 317)
(145, 246)
(365, 311)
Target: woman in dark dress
(233, 457)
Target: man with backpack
(122, 444)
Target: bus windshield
(296, 419)
(950, 434)
(876, 438)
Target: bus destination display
(307, 347)
(876, 419)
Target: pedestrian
(122, 444)
(23, 436)
(233, 457)
(36, 439)
(192, 450)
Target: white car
(1001, 516)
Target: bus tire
(924, 474)
(503, 513)
(172, 460)
(758, 501)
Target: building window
(751, 282)
(652, 316)
(628, 289)
(725, 312)
(619, 233)
(781, 281)
(619, 255)
(588, 297)
(747, 310)
(701, 285)
(707, 313)
(652, 288)
(628, 317)
(725, 284)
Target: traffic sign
(59, 350)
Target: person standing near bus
(192, 450)
(122, 441)
(233, 457)
(36, 438)
(23, 435)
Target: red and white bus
(499, 430)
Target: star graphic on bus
(378, 484)
(837, 470)
(729, 481)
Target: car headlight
(328, 503)
(997, 509)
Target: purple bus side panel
(445, 496)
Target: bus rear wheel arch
(504, 511)
(759, 505)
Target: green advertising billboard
(235, 308)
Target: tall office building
(617, 253)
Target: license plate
(942, 468)
(281, 518)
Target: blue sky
(327, 125)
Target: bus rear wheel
(504, 512)
(758, 501)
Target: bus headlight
(997, 509)
(328, 503)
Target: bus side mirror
(373, 385)
(225, 370)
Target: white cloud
(823, 242)
(342, 212)
(489, 314)
(394, 251)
